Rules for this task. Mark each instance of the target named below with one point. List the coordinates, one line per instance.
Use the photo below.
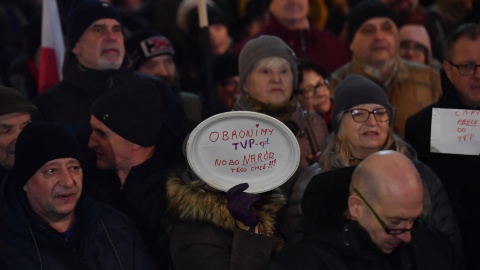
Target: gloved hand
(240, 204)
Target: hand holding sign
(241, 204)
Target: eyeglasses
(362, 115)
(414, 47)
(384, 225)
(465, 69)
(311, 91)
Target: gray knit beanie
(355, 90)
(263, 47)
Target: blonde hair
(337, 153)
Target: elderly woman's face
(270, 81)
(365, 138)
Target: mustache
(378, 44)
(112, 46)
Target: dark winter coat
(459, 173)
(330, 241)
(103, 238)
(142, 198)
(205, 236)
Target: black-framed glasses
(384, 225)
(311, 90)
(362, 115)
(465, 69)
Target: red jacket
(318, 45)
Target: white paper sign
(243, 147)
(455, 131)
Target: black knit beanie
(147, 44)
(11, 101)
(215, 16)
(83, 13)
(132, 110)
(355, 90)
(365, 11)
(263, 47)
(37, 144)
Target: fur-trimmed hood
(196, 201)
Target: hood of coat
(195, 201)
(325, 200)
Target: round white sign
(237, 147)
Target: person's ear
(354, 207)
(75, 50)
(448, 68)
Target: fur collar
(195, 201)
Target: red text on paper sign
(464, 124)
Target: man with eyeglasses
(459, 173)
(373, 40)
(368, 217)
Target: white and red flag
(52, 48)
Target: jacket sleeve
(440, 215)
(205, 246)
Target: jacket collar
(93, 82)
(450, 97)
(275, 27)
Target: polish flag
(53, 46)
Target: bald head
(385, 174)
(390, 183)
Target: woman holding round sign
(268, 76)
(362, 121)
(224, 208)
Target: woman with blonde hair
(362, 125)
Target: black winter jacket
(459, 173)
(142, 198)
(68, 104)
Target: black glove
(240, 204)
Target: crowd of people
(94, 171)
